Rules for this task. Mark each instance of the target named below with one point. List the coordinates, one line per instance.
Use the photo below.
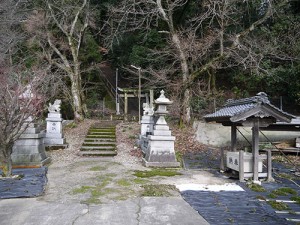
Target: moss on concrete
(156, 172)
(159, 190)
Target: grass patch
(278, 205)
(156, 172)
(132, 137)
(82, 190)
(98, 168)
(272, 195)
(90, 201)
(140, 181)
(256, 187)
(179, 157)
(159, 190)
(296, 199)
(282, 192)
(285, 175)
(259, 197)
(104, 180)
(124, 182)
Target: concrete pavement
(138, 211)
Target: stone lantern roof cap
(162, 99)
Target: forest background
(201, 52)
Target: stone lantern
(160, 151)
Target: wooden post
(151, 98)
(125, 106)
(269, 159)
(222, 163)
(255, 148)
(241, 166)
(233, 138)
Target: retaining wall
(219, 136)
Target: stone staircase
(100, 140)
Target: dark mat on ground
(227, 208)
(242, 207)
(201, 160)
(32, 183)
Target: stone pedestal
(160, 151)
(29, 149)
(54, 135)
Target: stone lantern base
(160, 152)
(29, 149)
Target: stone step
(101, 133)
(102, 143)
(99, 140)
(100, 136)
(102, 129)
(96, 148)
(99, 153)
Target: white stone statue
(147, 109)
(55, 107)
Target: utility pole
(139, 92)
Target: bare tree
(22, 97)
(12, 13)
(59, 30)
(216, 37)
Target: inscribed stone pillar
(54, 135)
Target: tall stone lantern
(160, 152)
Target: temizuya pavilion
(255, 112)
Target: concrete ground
(105, 191)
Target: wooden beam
(255, 149)
(233, 138)
(269, 165)
(223, 160)
(241, 166)
(131, 95)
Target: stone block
(54, 135)
(298, 142)
(31, 136)
(162, 133)
(54, 141)
(31, 142)
(54, 116)
(32, 130)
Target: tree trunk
(6, 162)
(185, 107)
(76, 94)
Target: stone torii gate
(256, 112)
(133, 93)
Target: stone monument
(54, 135)
(29, 149)
(147, 123)
(160, 151)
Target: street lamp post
(139, 92)
(117, 97)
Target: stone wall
(219, 136)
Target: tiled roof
(229, 111)
(241, 106)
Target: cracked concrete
(99, 191)
(60, 205)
